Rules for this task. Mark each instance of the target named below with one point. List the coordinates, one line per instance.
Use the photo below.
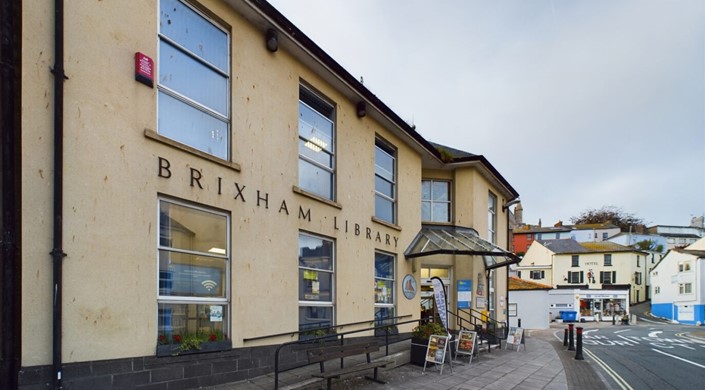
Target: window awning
(455, 240)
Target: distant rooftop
(572, 246)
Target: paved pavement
(542, 364)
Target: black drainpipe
(11, 199)
(58, 253)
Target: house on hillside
(606, 276)
(524, 235)
(678, 285)
(679, 236)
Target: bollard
(579, 342)
(571, 343)
(613, 319)
(565, 337)
(519, 323)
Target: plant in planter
(192, 343)
(419, 340)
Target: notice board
(515, 338)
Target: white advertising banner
(440, 296)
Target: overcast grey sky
(579, 104)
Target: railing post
(571, 344)
(579, 350)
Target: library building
(198, 183)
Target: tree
(610, 214)
(648, 245)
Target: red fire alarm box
(144, 69)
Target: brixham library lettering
(241, 193)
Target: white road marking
(655, 334)
(678, 357)
(621, 331)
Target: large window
(316, 282)
(492, 218)
(316, 145)
(384, 287)
(194, 264)
(608, 277)
(194, 79)
(385, 182)
(435, 201)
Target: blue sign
(464, 294)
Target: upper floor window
(534, 274)
(685, 288)
(638, 260)
(492, 218)
(637, 278)
(316, 145)
(575, 261)
(608, 260)
(575, 277)
(194, 79)
(683, 266)
(608, 277)
(435, 201)
(604, 236)
(385, 182)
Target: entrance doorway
(428, 304)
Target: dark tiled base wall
(165, 373)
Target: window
(637, 278)
(575, 277)
(384, 288)
(492, 218)
(638, 260)
(194, 264)
(385, 182)
(529, 236)
(683, 266)
(604, 236)
(608, 260)
(194, 79)
(608, 277)
(316, 282)
(537, 274)
(685, 288)
(575, 261)
(435, 201)
(657, 290)
(316, 145)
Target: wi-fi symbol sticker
(209, 284)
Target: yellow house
(203, 174)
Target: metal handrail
(342, 340)
(327, 328)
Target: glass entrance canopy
(455, 240)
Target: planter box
(417, 355)
(210, 346)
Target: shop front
(603, 305)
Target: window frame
(575, 261)
(392, 280)
(685, 288)
(577, 275)
(432, 201)
(311, 98)
(385, 147)
(492, 217)
(225, 300)
(533, 274)
(183, 97)
(612, 276)
(311, 303)
(607, 260)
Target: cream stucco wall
(112, 187)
